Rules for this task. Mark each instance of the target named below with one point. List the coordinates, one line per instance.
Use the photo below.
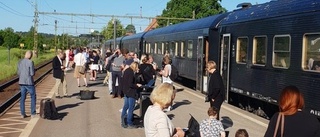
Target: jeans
(116, 75)
(128, 105)
(32, 91)
(110, 82)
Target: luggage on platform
(145, 102)
(48, 109)
(86, 94)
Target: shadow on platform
(180, 103)
(59, 108)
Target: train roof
(117, 39)
(207, 22)
(134, 36)
(272, 9)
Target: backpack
(48, 109)
(193, 128)
(174, 73)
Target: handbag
(82, 69)
(280, 117)
(193, 128)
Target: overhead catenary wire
(13, 11)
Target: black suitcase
(86, 94)
(48, 109)
(145, 102)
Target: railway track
(9, 91)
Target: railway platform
(100, 117)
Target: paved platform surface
(100, 117)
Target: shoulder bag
(280, 117)
(82, 68)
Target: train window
(159, 48)
(149, 47)
(259, 50)
(182, 49)
(281, 51)
(154, 48)
(177, 49)
(242, 46)
(189, 50)
(311, 52)
(162, 48)
(172, 48)
(166, 49)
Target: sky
(19, 14)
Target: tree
(190, 9)
(10, 38)
(130, 29)
(107, 31)
(27, 38)
(1, 37)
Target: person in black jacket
(216, 92)
(146, 70)
(297, 122)
(58, 74)
(129, 88)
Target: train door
(202, 58)
(225, 62)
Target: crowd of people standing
(126, 74)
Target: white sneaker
(120, 110)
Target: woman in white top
(80, 60)
(166, 70)
(156, 122)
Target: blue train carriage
(113, 43)
(267, 47)
(189, 45)
(134, 43)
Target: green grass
(8, 70)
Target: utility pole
(35, 34)
(114, 33)
(55, 36)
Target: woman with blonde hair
(129, 88)
(216, 92)
(156, 122)
(294, 121)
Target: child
(212, 127)
(242, 133)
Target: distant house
(154, 24)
